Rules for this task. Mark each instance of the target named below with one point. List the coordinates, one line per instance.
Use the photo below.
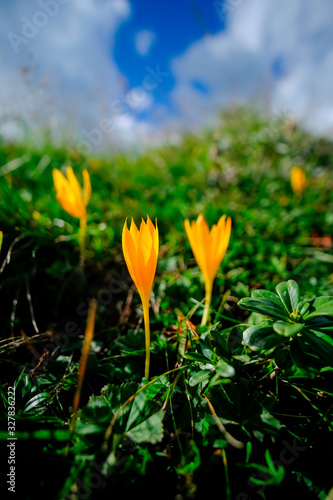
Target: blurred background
(103, 74)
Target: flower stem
(82, 237)
(145, 305)
(208, 299)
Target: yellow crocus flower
(72, 198)
(208, 247)
(298, 181)
(140, 248)
(69, 192)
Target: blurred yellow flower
(298, 181)
(73, 199)
(140, 248)
(69, 192)
(208, 247)
(1, 239)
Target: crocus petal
(76, 189)
(130, 255)
(145, 243)
(68, 193)
(156, 239)
(68, 203)
(208, 246)
(140, 247)
(86, 187)
(135, 233)
(60, 181)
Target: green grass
(241, 168)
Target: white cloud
(238, 65)
(143, 41)
(69, 80)
(63, 75)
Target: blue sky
(104, 73)
(173, 26)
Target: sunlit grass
(212, 404)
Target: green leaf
(303, 307)
(323, 307)
(143, 404)
(287, 329)
(97, 412)
(263, 306)
(262, 337)
(148, 431)
(37, 402)
(283, 358)
(266, 294)
(319, 301)
(200, 376)
(195, 356)
(321, 323)
(321, 343)
(283, 292)
(191, 458)
(221, 348)
(206, 346)
(235, 338)
(224, 370)
(25, 384)
(293, 290)
(272, 475)
(116, 395)
(304, 356)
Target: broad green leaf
(321, 323)
(303, 308)
(200, 376)
(263, 306)
(143, 404)
(116, 395)
(224, 370)
(195, 356)
(283, 292)
(321, 343)
(24, 384)
(293, 290)
(97, 412)
(304, 356)
(36, 402)
(235, 338)
(262, 337)
(271, 424)
(282, 357)
(287, 329)
(243, 358)
(319, 301)
(148, 431)
(206, 346)
(266, 294)
(221, 348)
(323, 307)
(255, 318)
